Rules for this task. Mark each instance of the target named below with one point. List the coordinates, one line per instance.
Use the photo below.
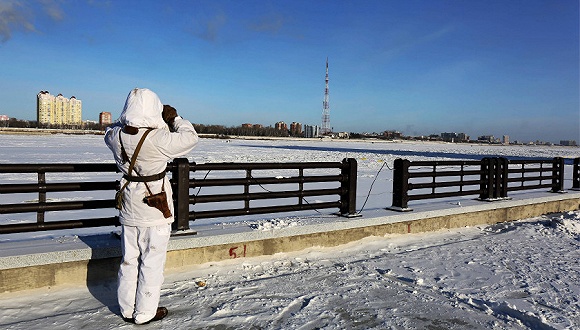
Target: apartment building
(58, 110)
(105, 119)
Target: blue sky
(508, 67)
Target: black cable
(202, 179)
(304, 199)
(371, 187)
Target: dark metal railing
(491, 178)
(536, 174)
(42, 187)
(294, 199)
(344, 189)
(460, 178)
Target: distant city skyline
(313, 131)
(421, 67)
(105, 118)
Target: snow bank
(519, 275)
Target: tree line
(21, 123)
(219, 130)
(243, 131)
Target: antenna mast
(325, 108)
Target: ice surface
(518, 275)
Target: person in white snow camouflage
(145, 229)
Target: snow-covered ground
(519, 275)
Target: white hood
(142, 109)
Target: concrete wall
(94, 263)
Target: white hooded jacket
(143, 110)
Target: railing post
(558, 175)
(180, 178)
(503, 164)
(247, 190)
(486, 179)
(41, 196)
(576, 174)
(401, 185)
(496, 174)
(348, 196)
(494, 178)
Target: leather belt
(146, 178)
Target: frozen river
(519, 275)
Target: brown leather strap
(137, 149)
(134, 158)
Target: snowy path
(520, 275)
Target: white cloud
(18, 15)
(13, 17)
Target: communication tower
(325, 129)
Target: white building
(311, 131)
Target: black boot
(161, 314)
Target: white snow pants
(141, 272)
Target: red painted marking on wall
(235, 255)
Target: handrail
(546, 173)
(180, 169)
(406, 171)
(346, 191)
(494, 178)
(490, 178)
